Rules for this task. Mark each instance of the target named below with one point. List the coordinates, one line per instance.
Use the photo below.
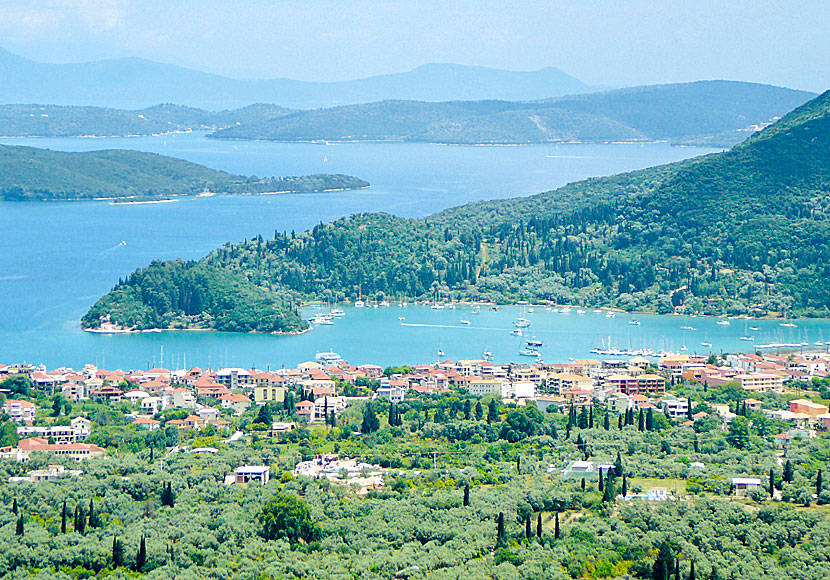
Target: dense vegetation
(28, 174)
(745, 231)
(686, 112)
(473, 490)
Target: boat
(748, 338)
(465, 321)
(688, 328)
(530, 309)
(488, 356)
(610, 315)
(530, 352)
(598, 311)
(337, 312)
(440, 352)
(516, 332)
(634, 322)
(495, 308)
(580, 312)
(521, 322)
(754, 328)
(329, 357)
(318, 320)
(706, 344)
(401, 318)
(565, 309)
(788, 324)
(384, 303)
(359, 304)
(437, 306)
(724, 322)
(533, 342)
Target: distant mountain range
(711, 113)
(134, 83)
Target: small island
(32, 174)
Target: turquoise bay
(58, 258)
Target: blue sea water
(58, 258)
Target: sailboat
(746, 337)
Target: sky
(601, 42)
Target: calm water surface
(58, 258)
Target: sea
(58, 258)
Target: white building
(249, 473)
(392, 394)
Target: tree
(519, 464)
(539, 526)
(771, 482)
(500, 533)
(492, 411)
(479, 411)
(8, 434)
(788, 471)
(63, 518)
(692, 570)
(168, 496)
(618, 466)
(264, 416)
(641, 425)
(625, 486)
(467, 410)
(591, 418)
(80, 519)
(582, 421)
(696, 445)
(556, 527)
(18, 531)
(738, 435)
(689, 409)
(606, 422)
(94, 520)
(370, 422)
(619, 422)
(287, 517)
(528, 531)
(649, 420)
(117, 552)
(141, 555)
(600, 484)
(664, 563)
(15, 510)
(818, 483)
(466, 501)
(610, 491)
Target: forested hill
(746, 231)
(708, 112)
(66, 121)
(28, 174)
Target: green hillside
(746, 231)
(688, 112)
(28, 174)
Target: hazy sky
(613, 42)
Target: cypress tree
(63, 518)
(649, 420)
(18, 531)
(692, 570)
(539, 526)
(610, 491)
(152, 454)
(677, 569)
(15, 510)
(771, 482)
(556, 527)
(583, 484)
(467, 410)
(600, 485)
(80, 523)
(696, 445)
(618, 466)
(591, 418)
(664, 564)
(93, 517)
(689, 409)
(141, 556)
(528, 531)
(500, 534)
(519, 464)
(492, 411)
(818, 483)
(479, 411)
(788, 471)
(466, 501)
(117, 552)
(641, 422)
(625, 486)
(620, 422)
(606, 422)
